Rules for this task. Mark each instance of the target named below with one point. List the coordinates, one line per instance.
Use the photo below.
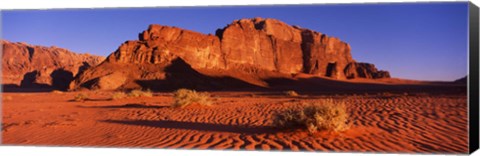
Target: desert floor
(237, 120)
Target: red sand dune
(237, 120)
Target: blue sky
(423, 41)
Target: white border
(74, 151)
(91, 151)
(45, 4)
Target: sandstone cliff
(251, 46)
(29, 66)
(273, 45)
(364, 70)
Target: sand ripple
(432, 124)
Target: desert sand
(382, 122)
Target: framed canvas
(359, 78)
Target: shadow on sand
(129, 105)
(181, 75)
(90, 99)
(197, 126)
(325, 86)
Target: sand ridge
(391, 123)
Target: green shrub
(291, 93)
(325, 115)
(140, 93)
(81, 97)
(185, 97)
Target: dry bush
(118, 95)
(291, 93)
(140, 93)
(288, 119)
(7, 98)
(57, 92)
(185, 97)
(326, 115)
(81, 97)
(387, 94)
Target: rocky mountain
(462, 80)
(29, 66)
(364, 70)
(249, 50)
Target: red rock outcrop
(276, 46)
(364, 70)
(462, 80)
(244, 46)
(158, 42)
(26, 65)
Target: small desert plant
(326, 115)
(81, 97)
(118, 95)
(291, 93)
(57, 92)
(185, 97)
(387, 94)
(140, 93)
(7, 98)
(288, 119)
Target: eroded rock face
(110, 82)
(265, 44)
(26, 65)
(276, 46)
(246, 45)
(325, 56)
(364, 70)
(158, 42)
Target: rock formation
(462, 80)
(29, 66)
(249, 46)
(364, 70)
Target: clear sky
(423, 41)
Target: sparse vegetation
(118, 95)
(291, 93)
(387, 94)
(185, 97)
(57, 92)
(132, 94)
(327, 115)
(140, 93)
(7, 98)
(81, 97)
